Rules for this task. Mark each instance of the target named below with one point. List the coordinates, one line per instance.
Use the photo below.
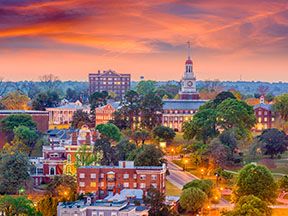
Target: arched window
(52, 171)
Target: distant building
(109, 180)
(104, 113)
(64, 114)
(188, 83)
(121, 204)
(176, 112)
(41, 118)
(265, 117)
(109, 81)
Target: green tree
(63, 187)
(85, 156)
(228, 139)
(80, 118)
(16, 100)
(217, 152)
(283, 183)
(146, 87)
(193, 199)
(151, 108)
(164, 133)
(108, 152)
(140, 136)
(237, 115)
(72, 95)
(149, 156)
(14, 168)
(250, 206)
(222, 96)
(281, 106)
(9, 123)
(257, 181)
(123, 149)
(273, 142)
(48, 206)
(202, 126)
(46, 99)
(156, 201)
(98, 99)
(26, 136)
(109, 131)
(17, 206)
(206, 185)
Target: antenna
(188, 50)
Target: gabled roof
(182, 104)
(263, 106)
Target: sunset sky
(70, 38)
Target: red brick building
(106, 180)
(41, 118)
(265, 117)
(105, 113)
(109, 81)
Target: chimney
(74, 138)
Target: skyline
(72, 39)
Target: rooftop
(264, 106)
(182, 104)
(2, 112)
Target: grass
(172, 190)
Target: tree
(206, 185)
(273, 142)
(283, 183)
(80, 118)
(20, 205)
(250, 206)
(85, 156)
(155, 200)
(193, 199)
(222, 96)
(46, 99)
(149, 156)
(168, 90)
(9, 123)
(217, 152)
(228, 139)
(123, 149)
(26, 136)
(15, 101)
(281, 106)
(140, 136)
(103, 147)
(50, 81)
(64, 187)
(237, 115)
(14, 172)
(48, 205)
(72, 95)
(119, 120)
(146, 87)
(257, 181)
(164, 133)
(98, 99)
(202, 126)
(109, 131)
(151, 109)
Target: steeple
(188, 61)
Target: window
(142, 177)
(126, 176)
(82, 175)
(259, 119)
(101, 214)
(153, 177)
(114, 214)
(126, 184)
(102, 175)
(273, 119)
(154, 185)
(135, 185)
(93, 175)
(102, 184)
(142, 185)
(265, 119)
(52, 171)
(82, 184)
(259, 112)
(135, 176)
(93, 184)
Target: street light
(172, 150)
(185, 164)
(202, 173)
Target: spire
(188, 49)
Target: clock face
(190, 83)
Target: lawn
(172, 190)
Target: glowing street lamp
(185, 164)
(202, 173)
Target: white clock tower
(188, 82)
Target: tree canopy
(149, 155)
(206, 185)
(80, 118)
(192, 199)
(257, 181)
(109, 131)
(15, 101)
(146, 87)
(164, 133)
(281, 106)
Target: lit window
(142, 185)
(126, 184)
(93, 184)
(135, 185)
(126, 176)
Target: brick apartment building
(104, 113)
(41, 118)
(109, 180)
(109, 81)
